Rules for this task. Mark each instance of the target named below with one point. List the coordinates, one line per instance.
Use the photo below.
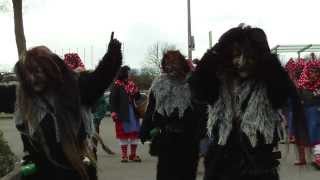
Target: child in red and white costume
(124, 114)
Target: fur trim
(171, 95)
(87, 117)
(40, 111)
(258, 115)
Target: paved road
(110, 167)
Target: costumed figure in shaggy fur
(245, 86)
(172, 121)
(123, 112)
(52, 112)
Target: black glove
(113, 55)
(114, 47)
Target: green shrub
(7, 158)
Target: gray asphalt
(110, 168)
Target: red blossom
(305, 81)
(295, 68)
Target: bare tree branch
(18, 27)
(155, 53)
(144, 77)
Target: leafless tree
(144, 77)
(18, 27)
(155, 53)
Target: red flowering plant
(295, 69)
(310, 77)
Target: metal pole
(189, 33)
(84, 55)
(123, 52)
(210, 39)
(91, 57)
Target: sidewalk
(110, 168)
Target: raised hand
(114, 46)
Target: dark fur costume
(75, 93)
(177, 146)
(237, 158)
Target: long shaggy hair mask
(259, 64)
(62, 84)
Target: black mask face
(243, 60)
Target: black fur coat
(233, 160)
(177, 146)
(91, 85)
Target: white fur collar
(171, 95)
(258, 116)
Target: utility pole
(91, 60)
(210, 39)
(190, 39)
(84, 56)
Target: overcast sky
(86, 24)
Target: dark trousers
(178, 158)
(234, 161)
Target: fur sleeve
(92, 85)
(8, 97)
(279, 85)
(204, 83)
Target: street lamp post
(210, 39)
(190, 43)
